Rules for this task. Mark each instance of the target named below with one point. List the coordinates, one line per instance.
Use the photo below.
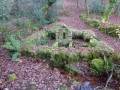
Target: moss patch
(98, 64)
(93, 23)
(73, 68)
(12, 77)
(112, 30)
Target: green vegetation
(93, 23)
(4, 11)
(108, 12)
(12, 77)
(38, 11)
(27, 28)
(14, 46)
(112, 30)
(98, 64)
(21, 29)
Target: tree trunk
(107, 4)
(49, 5)
(108, 12)
(87, 9)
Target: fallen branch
(110, 77)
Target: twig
(110, 77)
(98, 87)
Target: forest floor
(38, 72)
(71, 17)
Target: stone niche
(64, 36)
(63, 33)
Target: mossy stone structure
(63, 36)
(63, 33)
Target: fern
(15, 43)
(15, 56)
(8, 46)
(14, 46)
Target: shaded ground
(38, 72)
(31, 70)
(72, 19)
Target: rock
(5, 89)
(85, 86)
(78, 87)
(93, 42)
(1, 81)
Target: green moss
(69, 69)
(93, 23)
(117, 72)
(101, 66)
(73, 56)
(40, 41)
(97, 64)
(64, 43)
(86, 55)
(85, 59)
(77, 34)
(93, 42)
(94, 72)
(60, 58)
(116, 58)
(111, 30)
(96, 54)
(44, 54)
(72, 68)
(12, 77)
(83, 17)
(87, 34)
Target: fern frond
(8, 47)
(15, 56)
(15, 43)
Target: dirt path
(72, 19)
